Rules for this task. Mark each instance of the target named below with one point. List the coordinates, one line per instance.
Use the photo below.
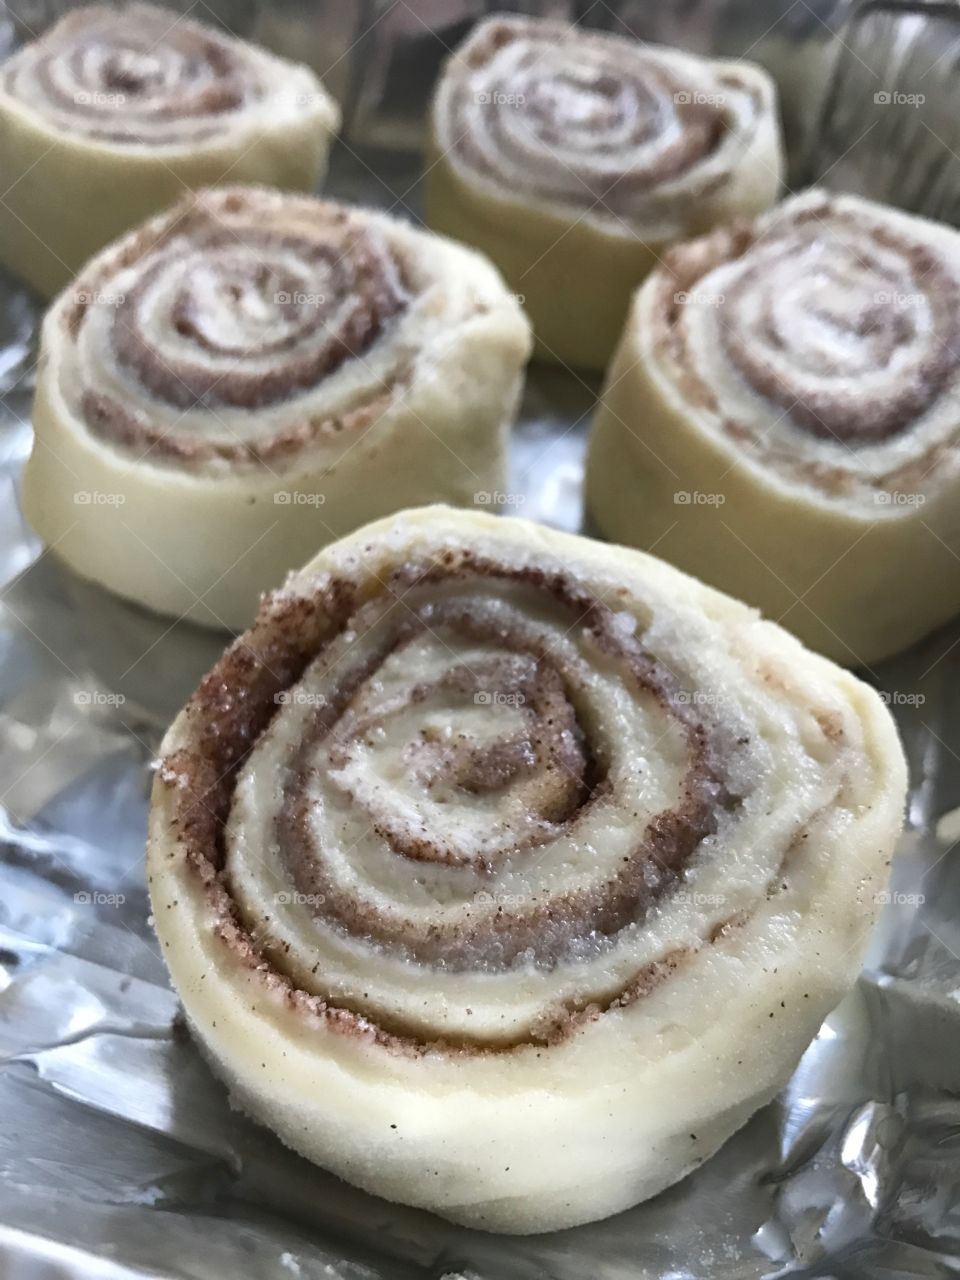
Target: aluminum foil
(119, 1155)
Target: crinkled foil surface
(119, 1155)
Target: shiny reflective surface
(119, 1155)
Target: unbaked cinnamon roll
(506, 874)
(574, 158)
(782, 419)
(117, 110)
(252, 375)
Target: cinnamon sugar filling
(238, 700)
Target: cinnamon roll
(573, 159)
(782, 419)
(506, 874)
(115, 111)
(250, 376)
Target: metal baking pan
(120, 1156)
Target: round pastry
(505, 873)
(117, 110)
(252, 375)
(782, 419)
(573, 159)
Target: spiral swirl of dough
(145, 76)
(587, 121)
(456, 854)
(486, 770)
(238, 329)
(825, 335)
(254, 373)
